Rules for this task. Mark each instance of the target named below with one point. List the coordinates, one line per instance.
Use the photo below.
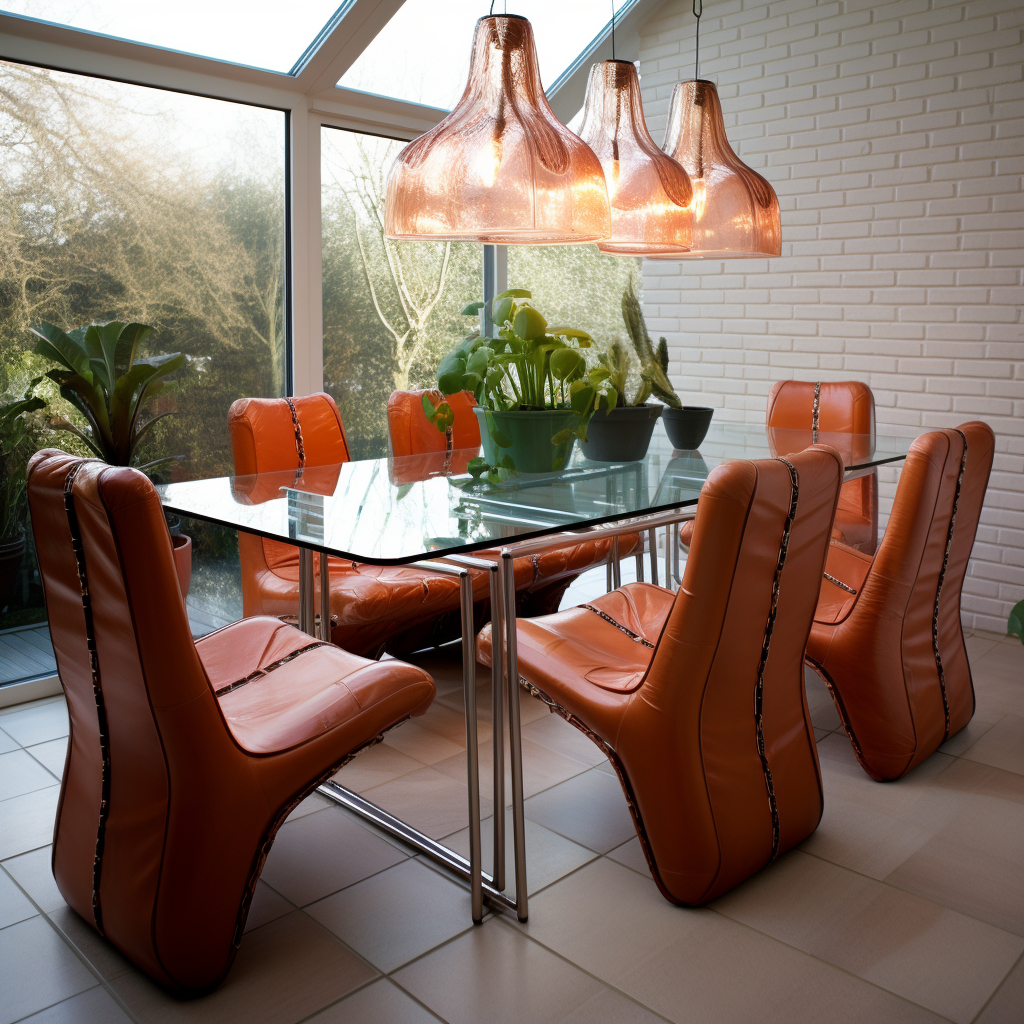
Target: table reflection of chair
(697, 697)
(184, 756)
(887, 636)
(541, 579)
(373, 607)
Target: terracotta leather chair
(184, 757)
(807, 408)
(887, 637)
(541, 579)
(698, 698)
(372, 607)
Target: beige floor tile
(589, 809)
(51, 755)
(313, 802)
(978, 645)
(1001, 746)
(381, 1002)
(95, 1006)
(928, 954)
(267, 905)
(696, 965)
(418, 742)
(823, 709)
(284, 972)
(104, 959)
(606, 767)
(321, 853)
(836, 746)
(1006, 1005)
(557, 734)
(873, 827)
(542, 768)
(21, 773)
(374, 766)
(531, 709)
(432, 802)
(396, 915)
(455, 697)
(37, 969)
(494, 973)
(631, 854)
(970, 733)
(14, 904)
(549, 856)
(37, 724)
(33, 872)
(6, 743)
(446, 722)
(26, 822)
(975, 862)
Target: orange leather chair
(184, 757)
(698, 697)
(372, 607)
(541, 579)
(807, 408)
(887, 637)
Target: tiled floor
(907, 904)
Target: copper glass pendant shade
(500, 168)
(649, 192)
(735, 211)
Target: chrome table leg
(498, 725)
(307, 592)
(325, 598)
(472, 749)
(652, 542)
(616, 567)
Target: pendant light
(500, 168)
(649, 192)
(735, 211)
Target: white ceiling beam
(380, 115)
(355, 26)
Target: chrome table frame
(485, 887)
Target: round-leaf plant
(529, 366)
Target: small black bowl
(687, 427)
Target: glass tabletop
(398, 510)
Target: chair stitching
(267, 669)
(635, 637)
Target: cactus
(653, 363)
(615, 359)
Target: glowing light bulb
(488, 160)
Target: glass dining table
(428, 511)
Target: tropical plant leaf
(147, 427)
(529, 324)
(127, 342)
(473, 308)
(56, 345)
(514, 293)
(1015, 623)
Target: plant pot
(622, 435)
(530, 431)
(11, 554)
(182, 549)
(687, 427)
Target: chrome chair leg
(652, 543)
(472, 750)
(307, 592)
(498, 725)
(616, 565)
(325, 598)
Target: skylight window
(259, 33)
(422, 54)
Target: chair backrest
(839, 407)
(411, 433)
(144, 720)
(910, 600)
(724, 699)
(274, 434)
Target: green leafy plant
(653, 361)
(1015, 623)
(16, 445)
(101, 374)
(530, 365)
(616, 359)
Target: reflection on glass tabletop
(395, 510)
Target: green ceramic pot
(530, 432)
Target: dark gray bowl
(687, 427)
(622, 435)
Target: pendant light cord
(698, 10)
(491, 12)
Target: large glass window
(260, 33)
(391, 309)
(434, 37)
(121, 202)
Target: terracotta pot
(11, 554)
(182, 546)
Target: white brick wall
(893, 133)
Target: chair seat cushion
(849, 566)
(278, 687)
(577, 651)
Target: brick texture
(894, 136)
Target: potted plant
(16, 445)
(622, 434)
(686, 426)
(101, 373)
(534, 393)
